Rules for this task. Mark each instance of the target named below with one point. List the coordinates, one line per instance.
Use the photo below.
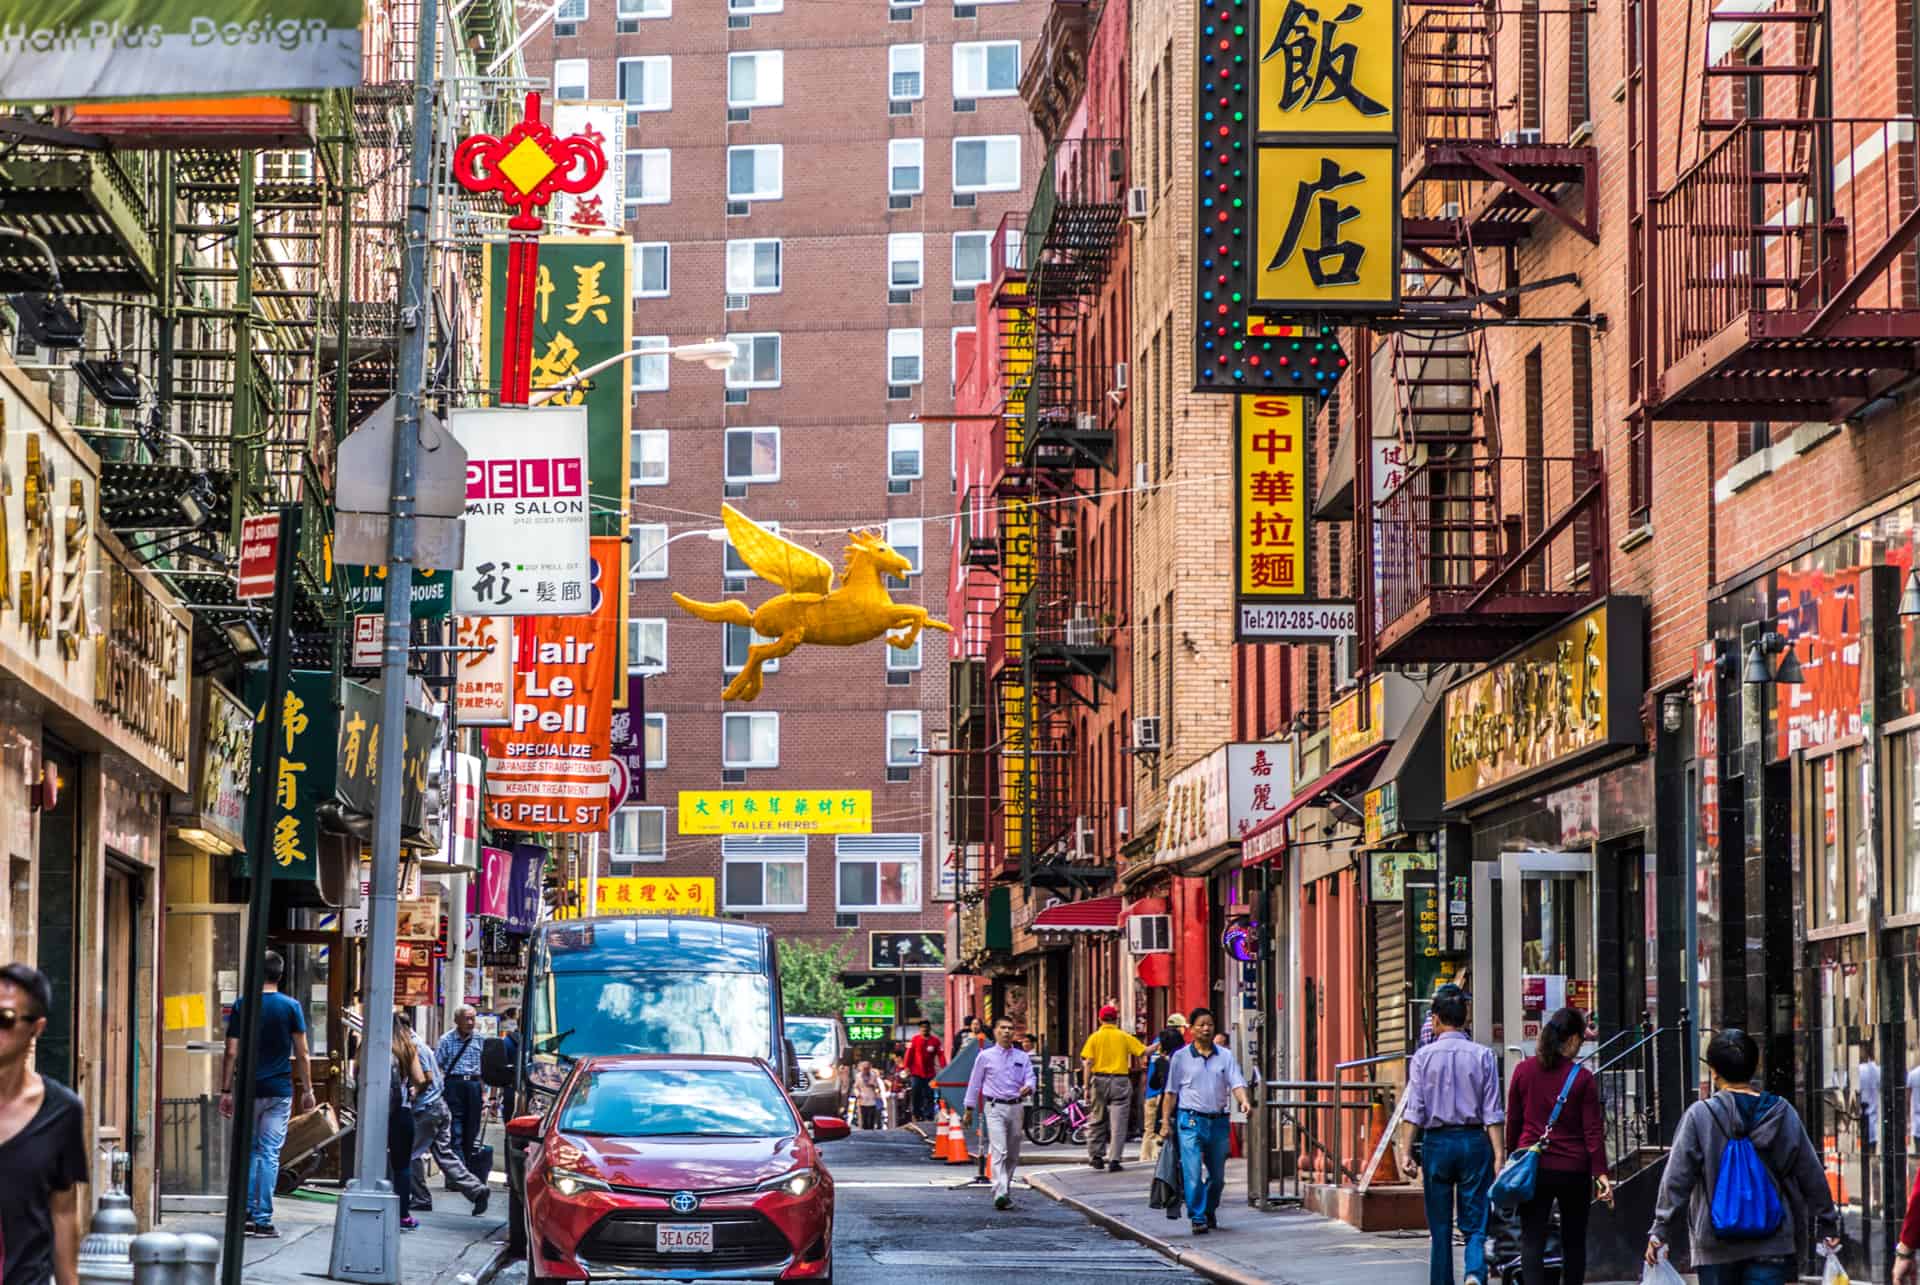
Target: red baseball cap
(1109, 1013)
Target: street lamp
(716, 534)
(714, 354)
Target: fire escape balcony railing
(1074, 223)
(1008, 259)
(1786, 277)
(91, 210)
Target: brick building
(818, 182)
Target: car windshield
(576, 1015)
(810, 1035)
(708, 1102)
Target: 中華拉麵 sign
(1273, 534)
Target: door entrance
(1539, 955)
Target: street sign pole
(366, 1227)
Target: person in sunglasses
(43, 1144)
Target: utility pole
(366, 1227)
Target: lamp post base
(366, 1236)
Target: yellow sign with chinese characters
(1327, 230)
(653, 895)
(1272, 494)
(776, 812)
(1328, 68)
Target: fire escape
(1479, 546)
(1775, 279)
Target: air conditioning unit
(1081, 625)
(1142, 480)
(1149, 934)
(1063, 541)
(1451, 210)
(1520, 138)
(736, 303)
(1119, 376)
(1123, 820)
(1137, 204)
(1146, 734)
(1086, 422)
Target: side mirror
(525, 1128)
(829, 1128)
(496, 1064)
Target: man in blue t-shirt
(281, 1055)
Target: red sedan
(682, 1167)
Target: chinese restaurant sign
(776, 812)
(363, 592)
(1296, 119)
(300, 771)
(547, 770)
(1273, 558)
(359, 751)
(653, 895)
(528, 516)
(1567, 694)
(62, 50)
(581, 316)
(1219, 798)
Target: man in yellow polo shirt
(1107, 1062)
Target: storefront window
(1851, 1094)
(1830, 825)
(1903, 816)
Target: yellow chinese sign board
(653, 895)
(1573, 691)
(776, 812)
(1016, 575)
(1345, 736)
(1327, 228)
(1273, 556)
(1328, 69)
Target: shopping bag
(1833, 1274)
(1166, 1190)
(1661, 1273)
(1518, 1177)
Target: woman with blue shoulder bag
(1557, 1148)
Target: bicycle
(1045, 1126)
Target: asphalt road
(899, 1217)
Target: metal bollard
(202, 1255)
(158, 1258)
(103, 1253)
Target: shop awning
(1334, 503)
(1099, 915)
(1353, 771)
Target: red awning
(1307, 794)
(1100, 915)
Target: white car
(821, 1046)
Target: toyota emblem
(684, 1202)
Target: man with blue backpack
(1749, 1174)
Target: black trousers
(464, 1100)
(1573, 1193)
(399, 1148)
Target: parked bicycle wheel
(1080, 1136)
(1044, 1126)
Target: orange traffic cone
(957, 1149)
(940, 1143)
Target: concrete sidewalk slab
(451, 1246)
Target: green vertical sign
(300, 770)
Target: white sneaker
(1472, 1280)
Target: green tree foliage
(810, 980)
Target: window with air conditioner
(1149, 934)
(764, 873)
(756, 361)
(732, 565)
(750, 740)
(903, 660)
(753, 455)
(648, 466)
(904, 356)
(650, 550)
(972, 258)
(904, 443)
(906, 72)
(986, 68)
(656, 744)
(906, 262)
(906, 166)
(646, 84)
(754, 173)
(987, 164)
(756, 79)
(639, 835)
(877, 872)
(652, 269)
(904, 535)
(570, 78)
(649, 175)
(736, 641)
(650, 372)
(753, 267)
(647, 645)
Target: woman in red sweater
(1573, 1164)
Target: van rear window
(577, 1015)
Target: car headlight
(797, 1183)
(822, 1070)
(569, 1183)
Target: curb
(495, 1265)
(1198, 1261)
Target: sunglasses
(12, 1017)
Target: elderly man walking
(1001, 1083)
(1107, 1061)
(458, 1055)
(1453, 1104)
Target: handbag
(1514, 1186)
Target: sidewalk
(451, 1247)
(1062, 1153)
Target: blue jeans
(1459, 1167)
(1203, 1162)
(270, 1116)
(1754, 1271)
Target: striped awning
(1099, 915)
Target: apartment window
(736, 640)
(756, 361)
(906, 72)
(755, 6)
(906, 261)
(972, 255)
(906, 166)
(652, 269)
(570, 11)
(649, 176)
(756, 79)
(753, 267)
(877, 872)
(732, 565)
(639, 834)
(904, 356)
(644, 8)
(904, 535)
(648, 466)
(753, 173)
(750, 740)
(903, 660)
(753, 455)
(764, 872)
(904, 442)
(646, 84)
(656, 741)
(650, 372)
(990, 164)
(570, 79)
(650, 551)
(647, 645)
(1166, 115)
(986, 68)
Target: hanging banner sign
(630, 746)
(489, 894)
(300, 770)
(601, 209)
(359, 755)
(547, 769)
(483, 671)
(363, 592)
(528, 515)
(776, 812)
(620, 895)
(523, 890)
(1273, 532)
(223, 764)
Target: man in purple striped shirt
(1453, 1104)
(1001, 1083)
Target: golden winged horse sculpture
(813, 609)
